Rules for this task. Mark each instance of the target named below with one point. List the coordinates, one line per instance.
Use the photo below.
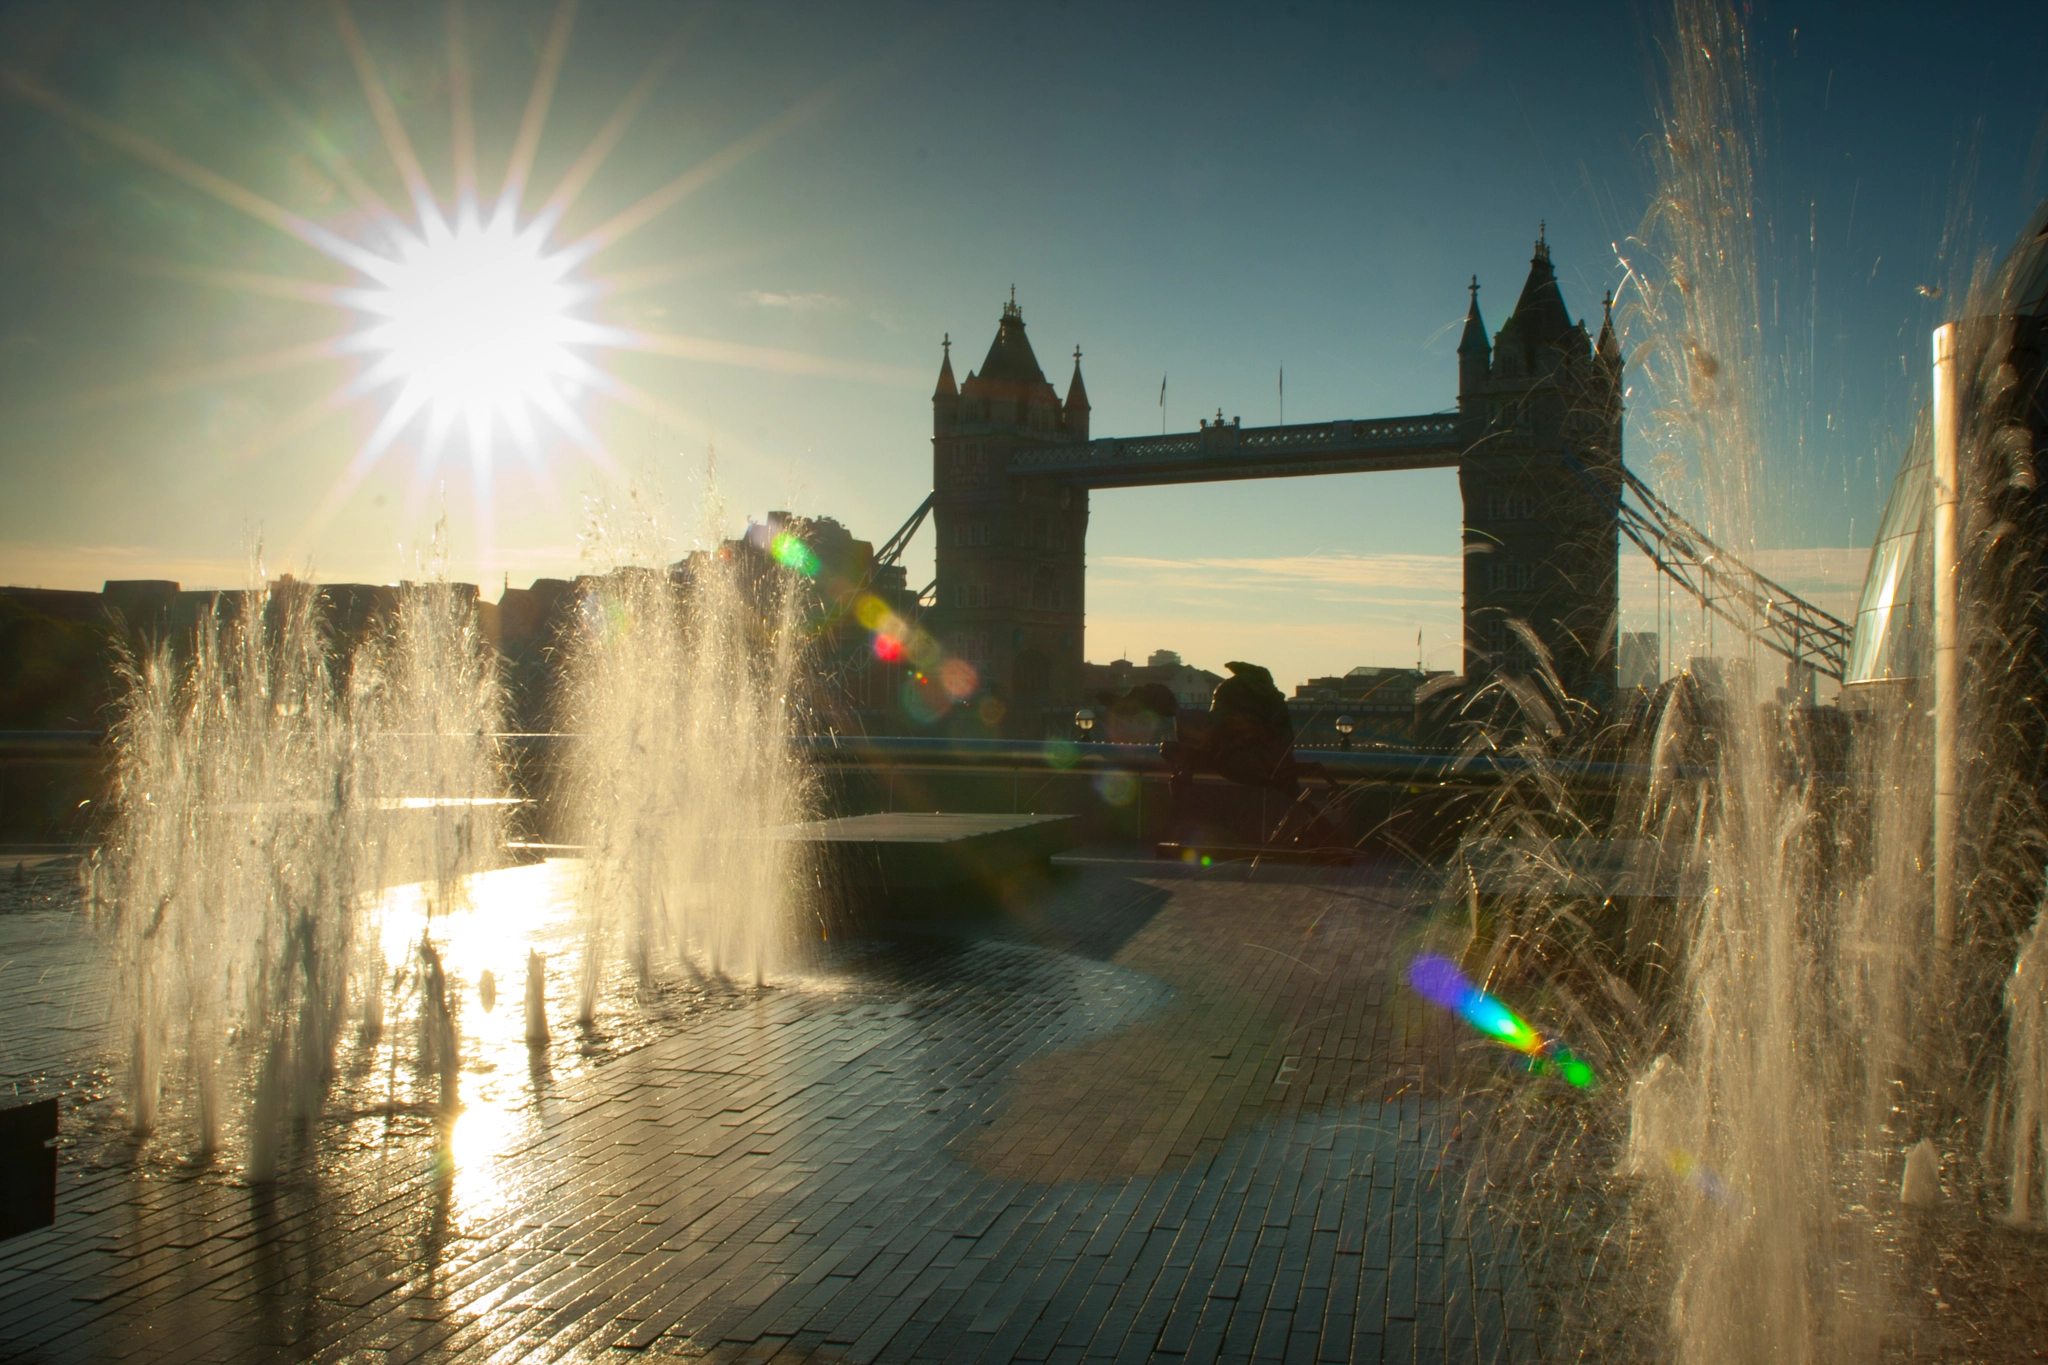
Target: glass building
(1891, 633)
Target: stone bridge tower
(1541, 479)
(1011, 548)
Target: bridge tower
(1011, 548)
(1540, 545)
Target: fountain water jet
(681, 697)
(260, 804)
(1835, 997)
(536, 999)
(1798, 1018)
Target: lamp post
(1084, 721)
(1345, 725)
(1947, 421)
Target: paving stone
(1147, 1112)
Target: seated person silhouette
(1247, 737)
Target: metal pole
(1948, 424)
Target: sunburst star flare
(475, 322)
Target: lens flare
(924, 701)
(1438, 980)
(791, 553)
(1117, 789)
(1686, 1168)
(871, 611)
(959, 678)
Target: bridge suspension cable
(892, 549)
(1766, 611)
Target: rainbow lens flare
(1699, 1177)
(1438, 980)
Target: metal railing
(1033, 755)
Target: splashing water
(292, 828)
(261, 803)
(681, 703)
(1776, 993)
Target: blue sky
(1206, 193)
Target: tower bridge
(1535, 438)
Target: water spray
(536, 999)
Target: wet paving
(1139, 1112)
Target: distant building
(1639, 668)
(57, 648)
(1379, 702)
(1191, 687)
(848, 604)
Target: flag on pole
(1162, 405)
(1283, 395)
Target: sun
(474, 322)
(466, 314)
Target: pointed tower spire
(947, 388)
(1539, 332)
(946, 397)
(1609, 348)
(1074, 415)
(1475, 355)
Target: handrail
(32, 744)
(1031, 755)
(1387, 766)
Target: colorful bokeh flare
(1438, 980)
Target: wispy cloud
(1300, 615)
(794, 302)
(1425, 574)
(1304, 615)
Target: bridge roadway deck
(1429, 441)
(1145, 1112)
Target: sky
(1204, 195)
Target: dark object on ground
(1247, 737)
(28, 1168)
(910, 851)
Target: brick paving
(1139, 1113)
